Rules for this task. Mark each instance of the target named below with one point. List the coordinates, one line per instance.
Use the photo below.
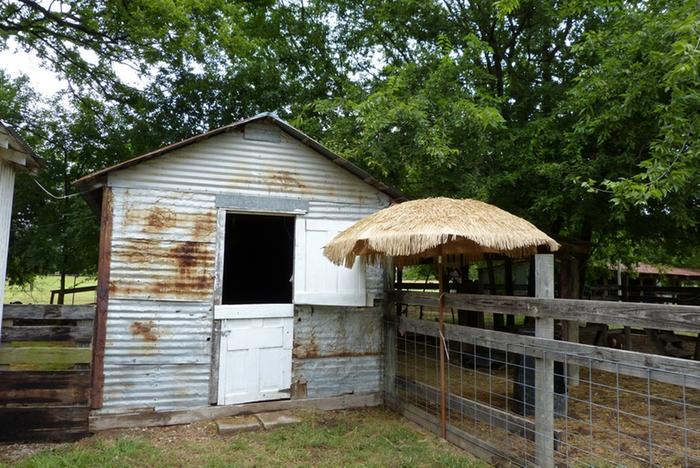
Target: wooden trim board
(100, 325)
(102, 422)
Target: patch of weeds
(237, 445)
(119, 452)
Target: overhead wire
(56, 197)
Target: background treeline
(580, 115)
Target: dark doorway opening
(258, 259)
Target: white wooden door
(316, 279)
(255, 354)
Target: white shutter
(316, 279)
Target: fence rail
(620, 408)
(661, 316)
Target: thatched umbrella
(435, 227)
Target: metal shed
(212, 285)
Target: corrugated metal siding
(163, 215)
(162, 270)
(157, 354)
(7, 184)
(339, 376)
(337, 350)
(163, 245)
(229, 163)
(340, 211)
(159, 320)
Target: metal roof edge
(87, 183)
(37, 160)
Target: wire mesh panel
(623, 409)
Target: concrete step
(237, 424)
(253, 422)
(274, 419)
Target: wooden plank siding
(75, 334)
(42, 387)
(43, 423)
(44, 372)
(48, 312)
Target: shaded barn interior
(258, 259)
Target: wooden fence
(683, 295)
(45, 372)
(480, 402)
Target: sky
(15, 62)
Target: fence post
(544, 367)
(391, 325)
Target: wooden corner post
(100, 324)
(544, 367)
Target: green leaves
(580, 115)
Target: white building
(15, 155)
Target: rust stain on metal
(186, 254)
(183, 270)
(144, 329)
(299, 390)
(287, 180)
(159, 218)
(308, 349)
(204, 225)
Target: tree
(592, 95)
(580, 115)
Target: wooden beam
(48, 311)
(498, 321)
(391, 329)
(100, 324)
(508, 283)
(41, 387)
(13, 156)
(43, 423)
(47, 333)
(104, 421)
(661, 316)
(218, 294)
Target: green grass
(40, 291)
(371, 437)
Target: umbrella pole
(443, 351)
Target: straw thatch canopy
(420, 229)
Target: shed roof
(647, 269)
(97, 179)
(15, 149)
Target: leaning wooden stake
(443, 352)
